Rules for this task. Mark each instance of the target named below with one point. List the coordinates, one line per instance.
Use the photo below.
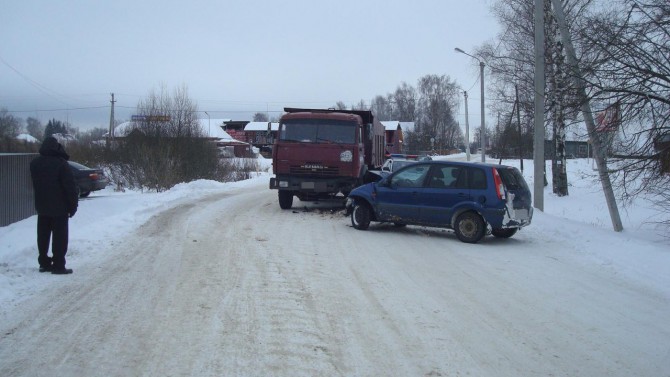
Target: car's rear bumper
(92, 185)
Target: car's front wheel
(504, 232)
(360, 216)
(469, 227)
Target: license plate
(307, 185)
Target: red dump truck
(319, 153)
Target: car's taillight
(500, 187)
(94, 176)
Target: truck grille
(324, 171)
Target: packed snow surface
(212, 279)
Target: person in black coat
(56, 200)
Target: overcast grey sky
(235, 57)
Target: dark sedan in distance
(88, 179)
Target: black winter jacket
(53, 181)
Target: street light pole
(482, 130)
(209, 125)
(483, 127)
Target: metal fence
(16, 189)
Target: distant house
(27, 138)
(235, 128)
(573, 149)
(394, 137)
(257, 133)
(211, 129)
(64, 138)
(261, 135)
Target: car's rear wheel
(504, 232)
(360, 216)
(285, 199)
(469, 227)
(84, 194)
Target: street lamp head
(459, 50)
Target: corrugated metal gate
(16, 188)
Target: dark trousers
(58, 227)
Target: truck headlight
(283, 184)
(346, 156)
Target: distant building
(27, 138)
(394, 136)
(261, 135)
(212, 129)
(573, 149)
(235, 128)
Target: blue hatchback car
(471, 198)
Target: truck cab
(319, 154)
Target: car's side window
(413, 176)
(445, 177)
(477, 179)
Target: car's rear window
(78, 166)
(512, 178)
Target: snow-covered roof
(391, 125)
(274, 126)
(257, 126)
(209, 127)
(28, 138)
(213, 128)
(407, 126)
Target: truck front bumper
(317, 185)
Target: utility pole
(482, 130)
(467, 128)
(518, 122)
(588, 116)
(111, 122)
(538, 138)
(483, 126)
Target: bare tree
(361, 105)
(438, 101)
(169, 147)
(260, 117)
(340, 105)
(35, 128)
(628, 50)
(10, 126)
(382, 107)
(511, 62)
(404, 100)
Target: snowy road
(263, 292)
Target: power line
(66, 109)
(34, 83)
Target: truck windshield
(318, 131)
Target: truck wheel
(469, 227)
(504, 233)
(360, 216)
(285, 199)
